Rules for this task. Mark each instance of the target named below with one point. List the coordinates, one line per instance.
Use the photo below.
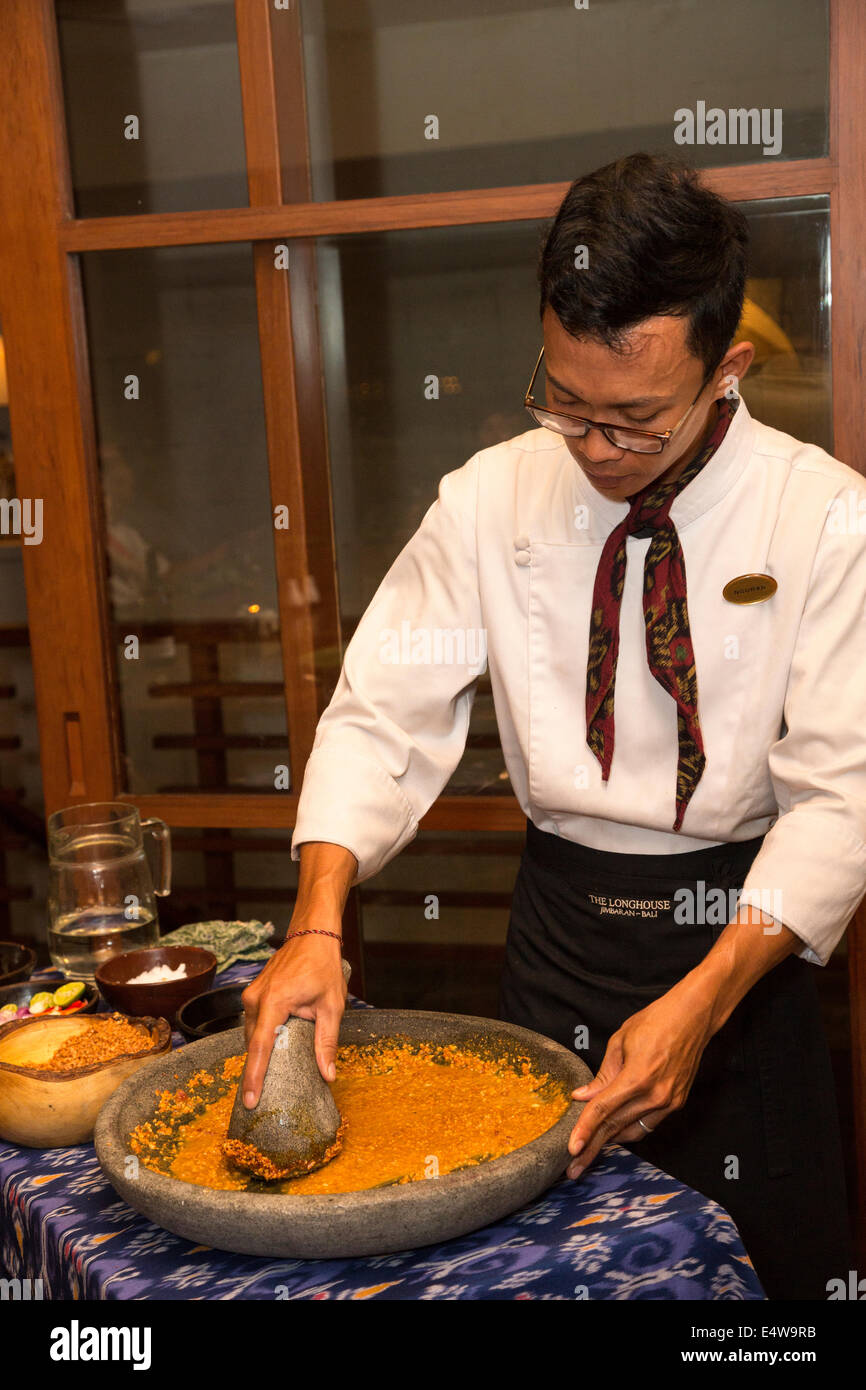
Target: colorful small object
(68, 998)
(66, 994)
(40, 1003)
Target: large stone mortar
(375, 1222)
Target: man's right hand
(305, 978)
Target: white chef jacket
(510, 551)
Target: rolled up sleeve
(396, 726)
(810, 872)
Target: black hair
(657, 242)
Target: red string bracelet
(313, 931)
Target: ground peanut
(100, 1042)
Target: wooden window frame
(51, 404)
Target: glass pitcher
(101, 896)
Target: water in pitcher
(80, 941)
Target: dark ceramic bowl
(21, 993)
(213, 1012)
(16, 962)
(159, 1000)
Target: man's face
(650, 386)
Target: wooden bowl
(50, 1109)
(16, 962)
(160, 1000)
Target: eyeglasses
(621, 436)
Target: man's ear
(731, 371)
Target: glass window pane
(231, 875)
(435, 920)
(398, 308)
(405, 97)
(461, 304)
(153, 105)
(787, 317)
(189, 530)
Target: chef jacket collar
(715, 479)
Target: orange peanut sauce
(410, 1112)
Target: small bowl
(160, 1000)
(213, 1012)
(50, 1109)
(16, 962)
(22, 993)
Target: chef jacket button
(522, 557)
(522, 543)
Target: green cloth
(229, 941)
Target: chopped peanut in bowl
(101, 1041)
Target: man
(674, 609)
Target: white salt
(157, 974)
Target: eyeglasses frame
(664, 436)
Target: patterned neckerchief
(666, 616)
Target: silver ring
(643, 1126)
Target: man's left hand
(647, 1072)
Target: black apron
(593, 938)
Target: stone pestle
(296, 1125)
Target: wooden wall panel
(51, 419)
(789, 179)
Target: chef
(672, 598)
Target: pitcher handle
(162, 835)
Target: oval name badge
(750, 588)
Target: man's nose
(597, 448)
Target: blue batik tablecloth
(624, 1230)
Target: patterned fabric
(670, 653)
(624, 1231)
(229, 941)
